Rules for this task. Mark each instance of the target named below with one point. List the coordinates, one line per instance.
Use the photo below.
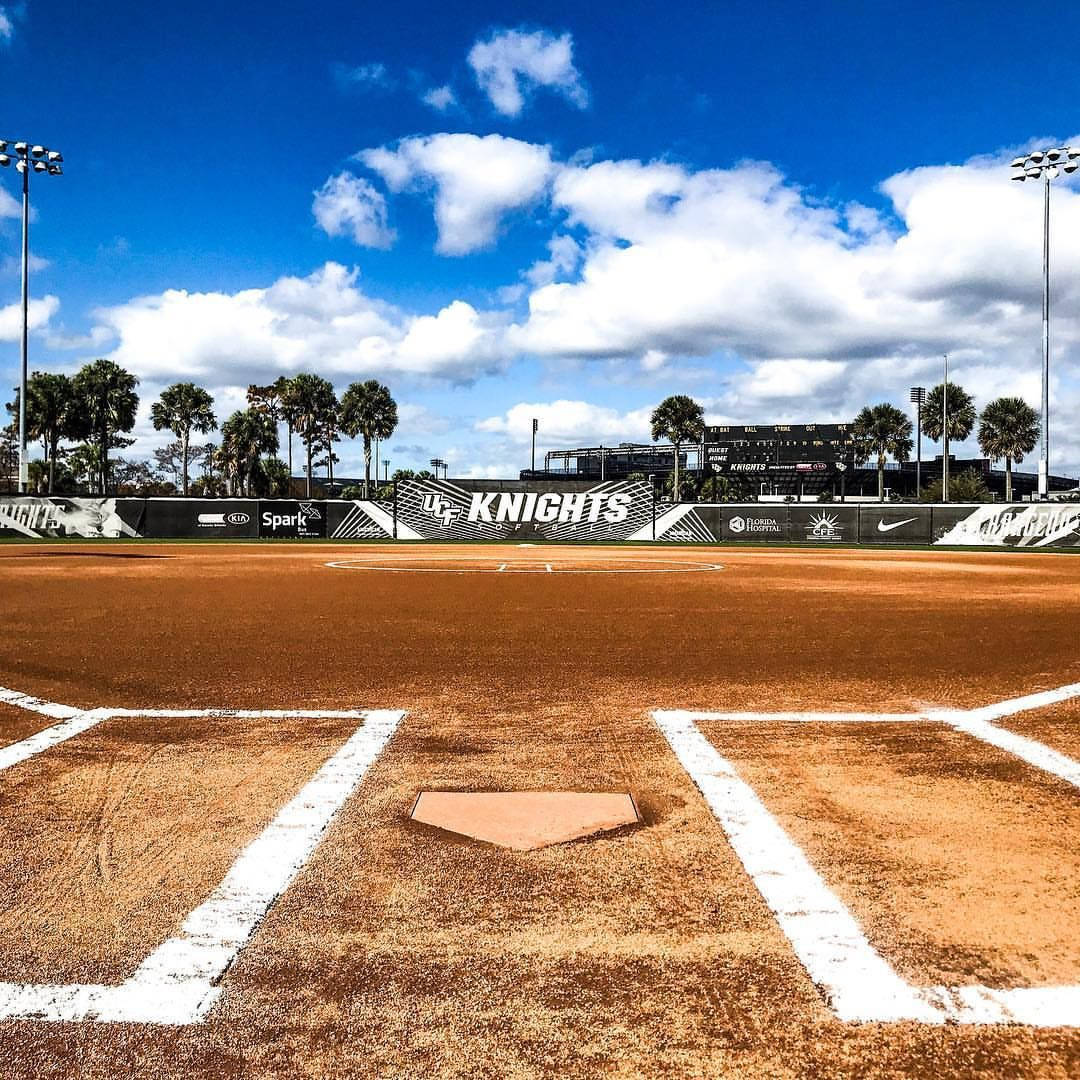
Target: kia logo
(237, 518)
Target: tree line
(95, 408)
(1008, 428)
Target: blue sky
(786, 210)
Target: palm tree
(311, 403)
(679, 419)
(961, 417)
(50, 414)
(106, 405)
(882, 429)
(286, 395)
(368, 409)
(184, 408)
(1009, 429)
(245, 437)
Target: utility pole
(945, 434)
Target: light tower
(40, 159)
(1046, 165)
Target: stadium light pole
(27, 159)
(535, 425)
(945, 434)
(1046, 165)
(437, 464)
(918, 399)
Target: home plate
(525, 820)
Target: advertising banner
(754, 522)
(92, 518)
(288, 519)
(1009, 525)
(203, 519)
(463, 510)
(889, 523)
(360, 519)
(823, 523)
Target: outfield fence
(460, 510)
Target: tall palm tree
(368, 409)
(312, 403)
(182, 409)
(245, 437)
(50, 414)
(106, 405)
(1009, 429)
(679, 419)
(883, 430)
(283, 387)
(961, 417)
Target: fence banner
(202, 519)
(825, 523)
(479, 510)
(290, 519)
(755, 522)
(889, 523)
(1011, 525)
(364, 519)
(33, 516)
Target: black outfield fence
(506, 510)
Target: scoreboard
(779, 448)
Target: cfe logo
(824, 527)
(439, 506)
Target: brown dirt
(920, 832)
(644, 952)
(18, 724)
(1057, 726)
(107, 841)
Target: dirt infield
(400, 951)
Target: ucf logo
(441, 507)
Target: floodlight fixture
(21, 147)
(55, 155)
(5, 160)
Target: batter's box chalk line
(179, 982)
(856, 981)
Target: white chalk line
(856, 981)
(178, 983)
(403, 565)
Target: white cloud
(565, 255)
(10, 207)
(363, 77)
(348, 205)
(39, 312)
(566, 422)
(7, 27)
(12, 264)
(440, 98)
(477, 181)
(512, 63)
(323, 322)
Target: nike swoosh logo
(882, 527)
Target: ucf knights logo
(438, 505)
